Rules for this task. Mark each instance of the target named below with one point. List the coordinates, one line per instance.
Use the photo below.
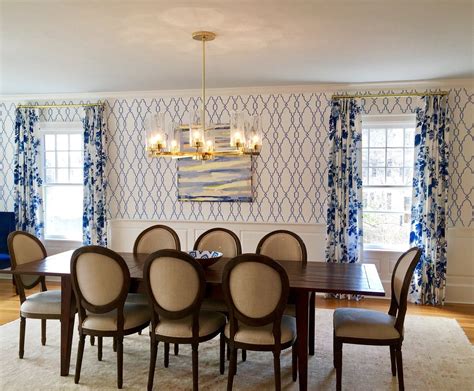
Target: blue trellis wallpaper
(289, 176)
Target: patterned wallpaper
(289, 179)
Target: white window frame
(384, 122)
(75, 127)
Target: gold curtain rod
(59, 105)
(391, 95)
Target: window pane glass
(50, 175)
(63, 212)
(365, 157)
(394, 176)
(49, 143)
(365, 138)
(394, 137)
(376, 176)
(409, 157)
(377, 157)
(62, 159)
(75, 142)
(75, 159)
(394, 157)
(62, 175)
(387, 229)
(75, 175)
(62, 143)
(408, 176)
(386, 199)
(410, 137)
(377, 138)
(50, 159)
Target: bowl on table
(206, 258)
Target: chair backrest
(154, 238)
(24, 248)
(219, 239)
(256, 290)
(283, 245)
(100, 280)
(401, 278)
(175, 284)
(7, 226)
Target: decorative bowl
(206, 258)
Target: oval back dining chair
(101, 280)
(369, 327)
(23, 248)
(156, 237)
(256, 289)
(219, 239)
(288, 246)
(175, 284)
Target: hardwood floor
(463, 313)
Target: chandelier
(198, 140)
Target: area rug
(437, 356)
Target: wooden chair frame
(117, 304)
(153, 227)
(219, 229)
(193, 310)
(274, 317)
(397, 309)
(312, 297)
(20, 286)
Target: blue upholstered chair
(7, 225)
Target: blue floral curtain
(344, 215)
(27, 179)
(429, 201)
(94, 220)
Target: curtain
(27, 179)
(94, 220)
(429, 200)
(344, 215)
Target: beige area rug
(437, 356)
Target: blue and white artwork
(223, 179)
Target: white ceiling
(112, 45)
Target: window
(63, 183)
(387, 173)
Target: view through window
(387, 174)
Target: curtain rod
(390, 95)
(59, 105)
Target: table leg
(302, 306)
(68, 311)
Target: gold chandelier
(197, 140)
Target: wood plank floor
(463, 313)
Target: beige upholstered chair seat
(134, 315)
(264, 335)
(209, 322)
(366, 324)
(42, 303)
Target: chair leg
(338, 362)
(392, 361)
(334, 350)
(92, 340)
(99, 348)
(140, 332)
(294, 361)
(119, 361)
(232, 367)
(43, 332)
(244, 355)
(312, 320)
(80, 352)
(221, 354)
(228, 353)
(176, 349)
(151, 371)
(22, 336)
(167, 354)
(195, 367)
(276, 366)
(401, 385)
(114, 344)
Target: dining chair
(101, 281)
(287, 246)
(24, 248)
(256, 290)
(368, 327)
(175, 284)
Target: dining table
(320, 277)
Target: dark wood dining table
(314, 277)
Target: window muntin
(63, 182)
(387, 173)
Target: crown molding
(329, 88)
